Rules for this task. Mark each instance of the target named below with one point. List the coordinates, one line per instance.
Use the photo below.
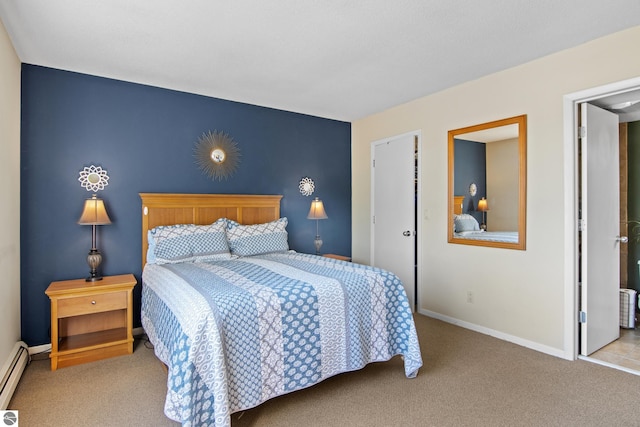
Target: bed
(465, 226)
(240, 327)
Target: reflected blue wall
(470, 167)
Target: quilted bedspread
(236, 333)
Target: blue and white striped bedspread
(237, 333)
(490, 236)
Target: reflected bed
(489, 236)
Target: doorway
(394, 206)
(624, 352)
(622, 99)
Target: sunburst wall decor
(217, 155)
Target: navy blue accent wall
(469, 167)
(144, 137)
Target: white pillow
(465, 222)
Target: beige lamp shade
(94, 213)
(482, 205)
(317, 210)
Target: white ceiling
(340, 59)
(626, 105)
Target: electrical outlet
(470, 297)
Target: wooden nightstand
(90, 320)
(340, 257)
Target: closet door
(393, 230)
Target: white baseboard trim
(36, 349)
(138, 331)
(609, 365)
(496, 334)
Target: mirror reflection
(93, 178)
(487, 184)
(217, 155)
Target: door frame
(571, 182)
(418, 135)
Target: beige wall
(502, 185)
(9, 196)
(518, 295)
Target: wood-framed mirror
(488, 184)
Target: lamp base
(318, 243)
(94, 259)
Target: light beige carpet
(468, 379)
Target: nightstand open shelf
(90, 320)
(92, 340)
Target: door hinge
(582, 317)
(373, 218)
(581, 225)
(582, 131)
(373, 163)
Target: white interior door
(600, 257)
(393, 217)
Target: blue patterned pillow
(231, 223)
(465, 222)
(247, 240)
(209, 243)
(187, 243)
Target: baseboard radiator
(12, 371)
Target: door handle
(622, 239)
(407, 233)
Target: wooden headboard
(457, 204)
(169, 209)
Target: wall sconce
(473, 189)
(306, 186)
(483, 207)
(317, 212)
(94, 213)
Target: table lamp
(317, 212)
(94, 213)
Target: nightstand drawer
(98, 303)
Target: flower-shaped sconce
(306, 186)
(473, 189)
(217, 155)
(93, 178)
